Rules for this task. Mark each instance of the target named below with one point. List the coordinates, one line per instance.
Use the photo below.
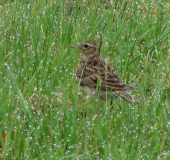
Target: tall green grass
(43, 112)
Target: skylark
(98, 78)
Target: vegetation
(43, 112)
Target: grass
(43, 112)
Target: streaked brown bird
(98, 78)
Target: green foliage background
(43, 112)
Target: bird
(97, 78)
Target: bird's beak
(77, 47)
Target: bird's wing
(97, 72)
(86, 77)
(111, 81)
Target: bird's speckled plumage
(98, 78)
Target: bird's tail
(126, 96)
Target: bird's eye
(86, 46)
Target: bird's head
(89, 48)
